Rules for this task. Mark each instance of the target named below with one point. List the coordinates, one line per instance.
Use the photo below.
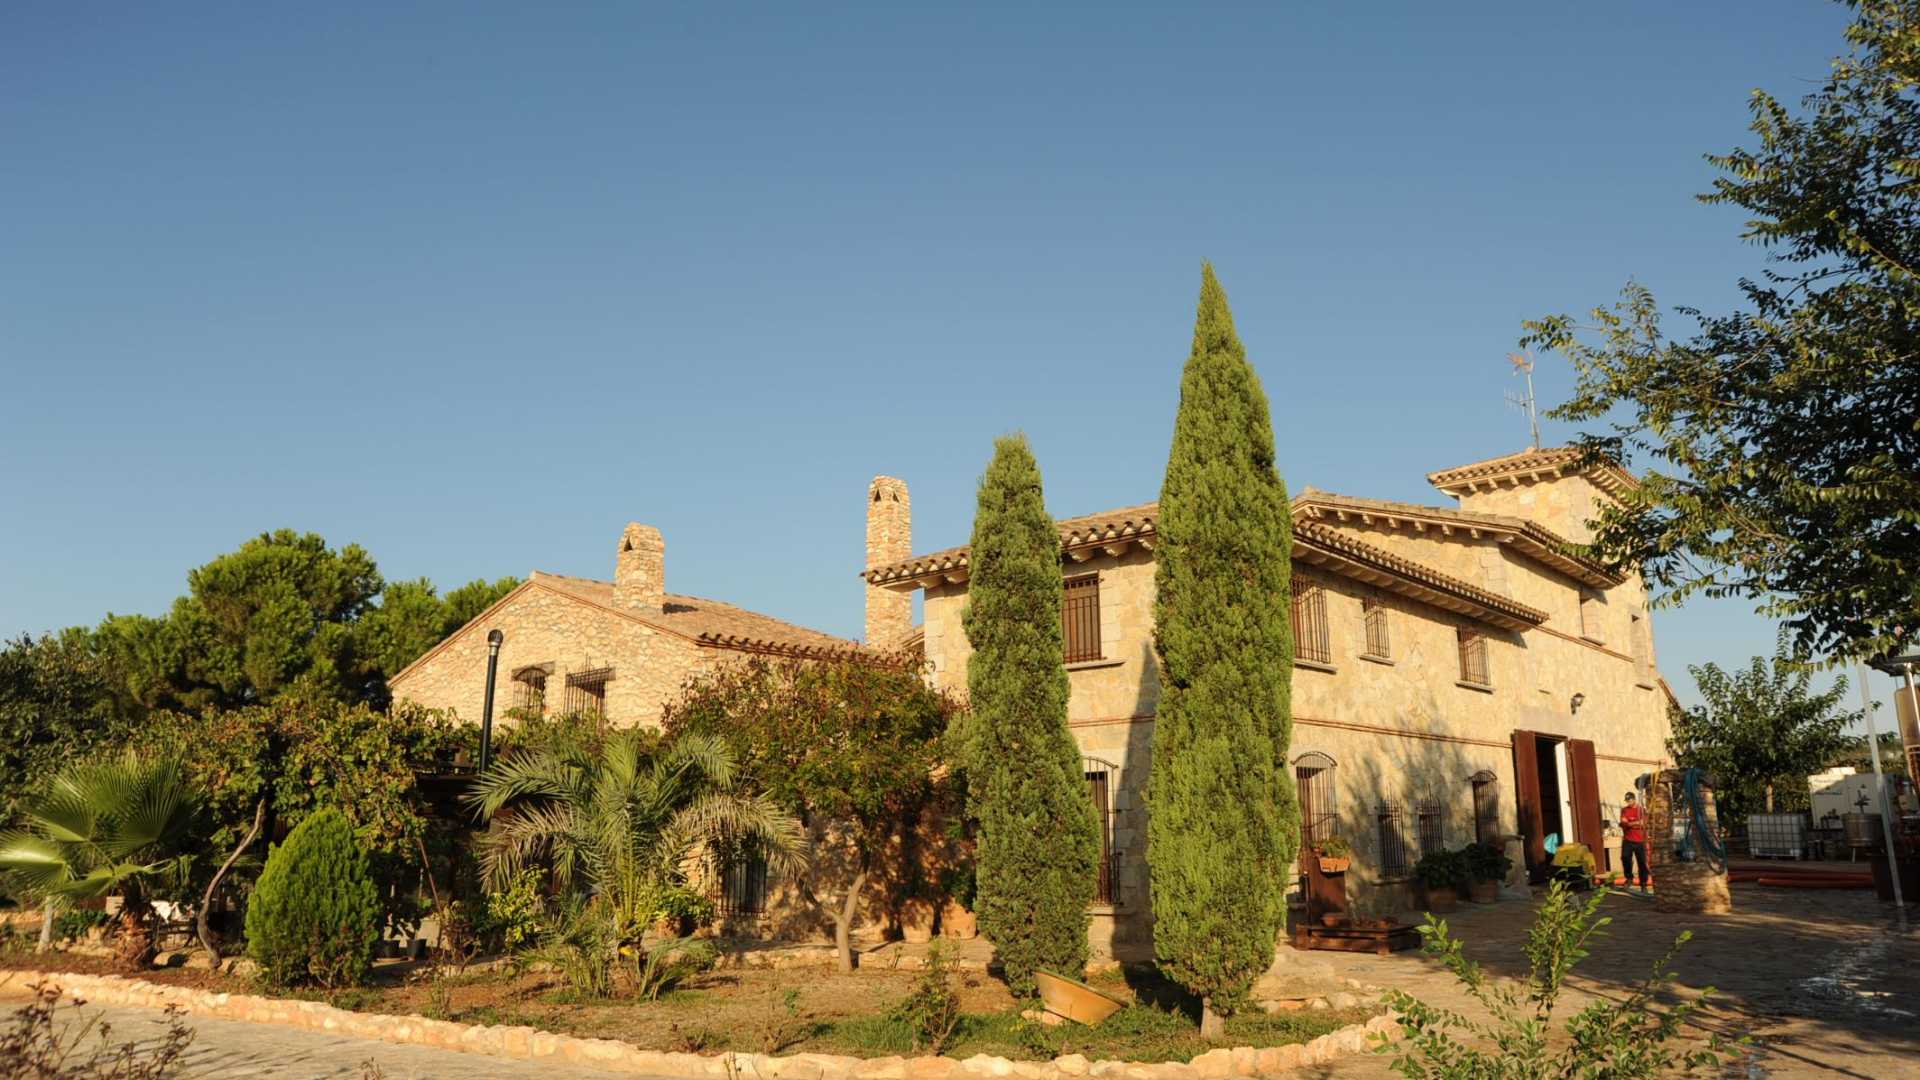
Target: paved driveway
(229, 1048)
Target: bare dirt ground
(1825, 982)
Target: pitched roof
(1531, 539)
(1530, 465)
(1114, 530)
(709, 623)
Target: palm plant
(618, 825)
(113, 827)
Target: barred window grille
(1311, 640)
(1486, 806)
(1374, 614)
(531, 693)
(1391, 820)
(1473, 657)
(1314, 777)
(1080, 618)
(742, 886)
(1100, 787)
(587, 690)
(1431, 822)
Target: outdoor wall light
(1578, 699)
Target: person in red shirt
(1633, 842)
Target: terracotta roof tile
(1609, 477)
(712, 622)
(1532, 539)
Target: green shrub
(516, 914)
(1441, 870)
(1486, 862)
(315, 915)
(932, 1010)
(1335, 847)
(1624, 1038)
(72, 924)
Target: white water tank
(1838, 792)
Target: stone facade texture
(1403, 729)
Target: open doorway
(1558, 795)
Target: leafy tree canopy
(1762, 732)
(1781, 440)
(842, 744)
(54, 708)
(283, 613)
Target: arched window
(1101, 777)
(1486, 806)
(1313, 775)
(530, 687)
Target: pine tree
(1039, 845)
(315, 915)
(1222, 817)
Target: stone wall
(547, 627)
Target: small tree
(1222, 820)
(850, 747)
(1039, 841)
(1761, 731)
(315, 915)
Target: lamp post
(494, 638)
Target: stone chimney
(640, 569)
(889, 540)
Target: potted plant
(1335, 855)
(957, 919)
(1441, 875)
(1487, 866)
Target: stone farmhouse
(623, 648)
(1459, 674)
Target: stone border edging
(532, 1044)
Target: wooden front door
(1526, 794)
(1586, 794)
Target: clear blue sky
(472, 285)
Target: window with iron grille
(1473, 657)
(530, 694)
(1432, 826)
(1314, 779)
(587, 690)
(1391, 820)
(1080, 617)
(1311, 640)
(1100, 786)
(742, 887)
(1374, 614)
(1486, 807)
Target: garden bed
(748, 1010)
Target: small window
(1100, 788)
(1313, 777)
(742, 886)
(1431, 821)
(1080, 618)
(1310, 637)
(530, 694)
(1391, 821)
(1638, 639)
(1473, 657)
(1593, 614)
(587, 690)
(1374, 614)
(1486, 807)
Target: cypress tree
(1223, 820)
(314, 917)
(1039, 842)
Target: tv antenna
(1523, 366)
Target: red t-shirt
(1633, 824)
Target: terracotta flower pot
(1484, 892)
(1441, 901)
(1334, 864)
(958, 922)
(916, 921)
(1075, 1000)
